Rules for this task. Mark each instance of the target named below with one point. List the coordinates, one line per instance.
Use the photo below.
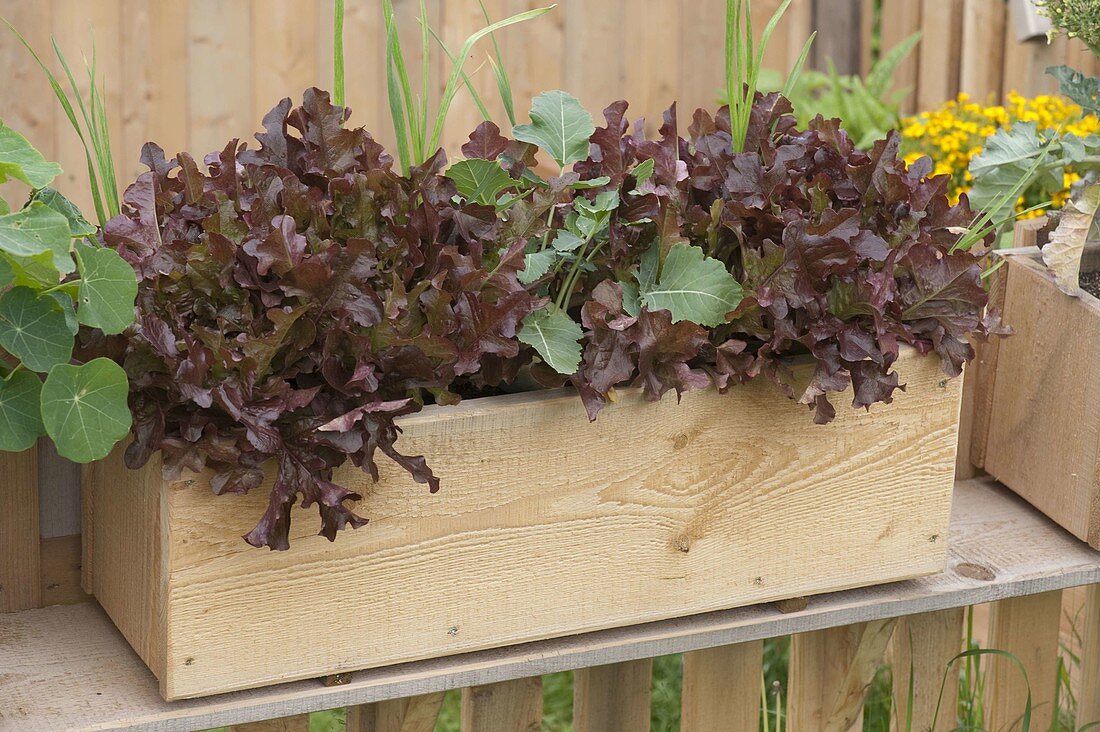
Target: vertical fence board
(651, 80)
(701, 45)
(20, 566)
(1026, 627)
(837, 23)
(1088, 697)
(284, 54)
(593, 53)
(412, 714)
(982, 61)
(297, 723)
(613, 698)
(922, 645)
(535, 54)
(508, 706)
(721, 688)
(938, 71)
(900, 19)
(219, 75)
(1025, 64)
(364, 66)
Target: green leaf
(20, 415)
(559, 125)
(692, 287)
(567, 241)
(535, 265)
(33, 329)
(108, 289)
(1062, 254)
(1007, 164)
(78, 225)
(84, 408)
(36, 271)
(555, 336)
(1083, 90)
(66, 302)
(643, 171)
(584, 185)
(19, 160)
(480, 181)
(36, 229)
(632, 299)
(4, 207)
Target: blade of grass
(481, 108)
(425, 74)
(799, 64)
(394, 96)
(338, 54)
(504, 84)
(397, 58)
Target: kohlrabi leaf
(84, 408)
(560, 126)
(1083, 90)
(78, 225)
(20, 413)
(536, 264)
(19, 160)
(107, 289)
(34, 330)
(1062, 254)
(36, 229)
(692, 287)
(584, 185)
(480, 181)
(1008, 159)
(567, 241)
(555, 336)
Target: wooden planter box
(1037, 400)
(546, 526)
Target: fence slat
(613, 698)
(837, 23)
(297, 723)
(721, 688)
(982, 61)
(923, 644)
(411, 714)
(20, 567)
(900, 19)
(220, 75)
(938, 73)
(1026, 627)
(284, 54)
(829, 672)
(508, 706)
(1088, 698)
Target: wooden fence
(192, 74)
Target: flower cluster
(956, 132)
(1076, 18)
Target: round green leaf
(34, 329)
(19, 160)
(108, 287)
(692, 287)
(78, 225)
(559, 125)
(480, 181)
(36, 229)
(84, 408)
(555, 336)
(20, 415)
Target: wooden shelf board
(68, 668)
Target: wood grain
(297, 723)
(220, 41)
(1026, 627)
(721, 688)
(820, 668)
(922, 646)
(938, 69)
(668, 529)
(982, 57)
(837, 23)
(1059, 337)
(69, 667)
(1088, 691)
(613, 698)
(901, 19)
(61, 571)
(408, 714)
(507, 706)
(20, 568)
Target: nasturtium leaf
(36, 271)
(480, 181)
(108, 288)
(555, 336)
(693, 287)
(68, 308)
(19, 160)
(78, 225)
(36, 229)
(559, 125)
(84, 408)
(567, 241)
(33, 329)
(535, 265)
(20, 414)
(7, 273)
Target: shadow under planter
(546, 525)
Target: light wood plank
(701, 43)
(594, 60)
(61, 571)
(941, 24)
(20, 567)
(1026, 627)
(650, 85)
(220, 75)
(900, 19)
(837, 23)
(1026, 62)
(721, 688)
(297, 723)
(922, 646)
(508, 706)
(1088, 694)
(284, 54)
(676, 534)
(982, 61)
(77, 655)
(409, 714)
(613, 698)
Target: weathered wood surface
(1026, 627)
(416, 713)
(507, 706)
(20, 565)
(721, 688)
(1040, 436)
(670, 520)
(613, 697)
(1088, 696)
(922, 646)
(69, 667)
